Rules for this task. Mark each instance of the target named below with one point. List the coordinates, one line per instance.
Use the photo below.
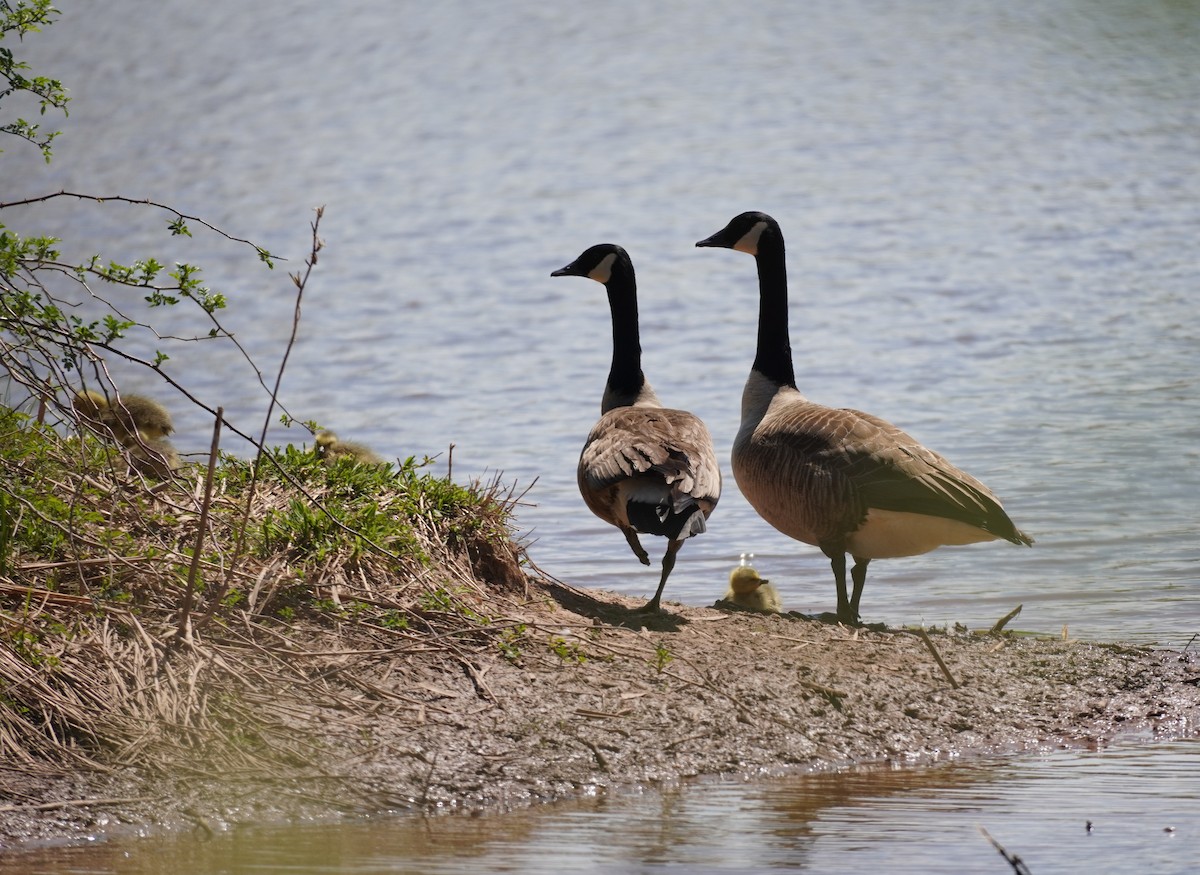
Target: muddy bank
(574, 692)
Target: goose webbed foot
(651, 607)
(668, 563)
(848, 618)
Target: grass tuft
(100, 662)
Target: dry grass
(108, 660)
(201, 623)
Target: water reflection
(1143, 802)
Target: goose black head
(744, 233)
(600, 263)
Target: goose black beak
(723, 239)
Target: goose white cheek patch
(749, 241)
(602, 272)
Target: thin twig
(300, 282)
(1003, 621)
(938, 657)
(135, 201)
(201, 531)
(1016, 862)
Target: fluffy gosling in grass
(330, 448)
(152, 457)
(749, 590)
(124, 416)
(137, 423)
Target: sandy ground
(572, 691)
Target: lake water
(927, 820)
(991, 210)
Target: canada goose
(644, 467)
(330, 448)
(748, 589)
(842, 480)
(124, 415)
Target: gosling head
(88, 403)
(745, 233)
(325, 443)
(744, 580)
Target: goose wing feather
(883, 467)
(631, 441)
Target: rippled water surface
(1060, 812)
(991, 210)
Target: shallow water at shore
(1133, 807)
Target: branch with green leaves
(21, 18)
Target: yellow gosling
(147, 416)
(749, 590)
(330, 448)
(151, 456)
(123, 416)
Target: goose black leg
(636, 546)
(846, 613)
(668, 563)
(859, 575)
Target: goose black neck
(625, 376)
(774, 357)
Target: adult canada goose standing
(644, 468)
(842, 480)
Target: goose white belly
(888, 534)
(884, 534)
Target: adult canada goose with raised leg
(644, 467)
(842, 480)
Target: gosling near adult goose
(329, 448)
(750, 590)
(644, 468)
(842, 480)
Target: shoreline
(573, 692)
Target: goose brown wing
(888, 469)
(639, 440)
